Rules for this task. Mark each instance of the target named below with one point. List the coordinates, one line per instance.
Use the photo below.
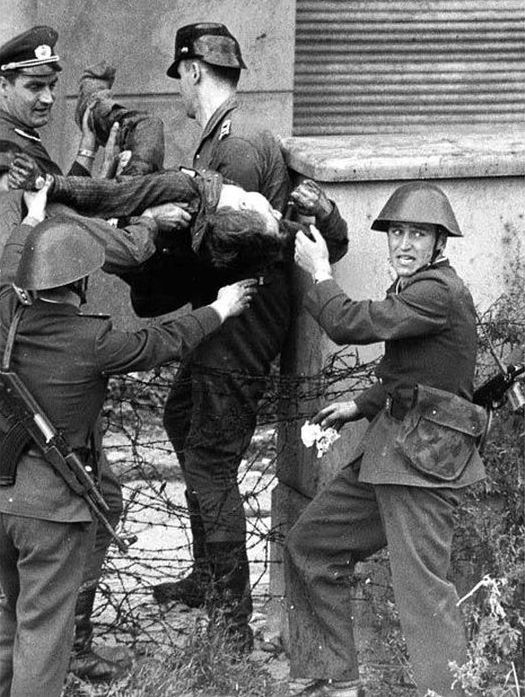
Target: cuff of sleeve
(208, 319)
(146, 221)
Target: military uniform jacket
(125, 247)
(65, 359)
(248, 156)
(29, 141)
(428, 326)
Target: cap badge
(184, 49)
(225, 129)
(43, 52)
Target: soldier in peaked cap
(208, 63)
(409, 472)
(29, 68)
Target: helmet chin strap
(80, 288)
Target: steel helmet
(419, 202)
(58, 251)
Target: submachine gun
(23, 424)
(494, 392)
(26, 424)
(502, 387)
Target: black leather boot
(88, 662)
(229, 603)
(193, 588)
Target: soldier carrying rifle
(56, 363)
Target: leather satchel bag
(439, 434)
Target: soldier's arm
(421, 309)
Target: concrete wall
(138, 39)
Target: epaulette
(225, 129)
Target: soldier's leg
(339, 527)
(223, 421)
(86, 661)
(191, 589)
(419, 524)
(50, 559)
(9, 589)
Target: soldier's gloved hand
(337, 414)
(234, 299)
(36, 202)
(169, 216)
(24, 173)
(309, 199)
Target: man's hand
(36, 202)
(115, 160)
(24, 173)
(337, 415)
(169, 216)
(234, 299)
(312, 254)
(310, 199)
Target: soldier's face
(411, 246)
(29, 98)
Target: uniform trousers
(41, 567)
(100, 539)
(210, 417)
(344, 524)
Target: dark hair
(239, 242)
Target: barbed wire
(140, 453)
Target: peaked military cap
(211, 42)
(30, 49)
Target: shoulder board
(225, 129)
(94, 315)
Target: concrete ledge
(382, 157)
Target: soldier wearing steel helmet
(29, 72)
(64, 358)
(412, 465)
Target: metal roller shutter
(380, 66)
